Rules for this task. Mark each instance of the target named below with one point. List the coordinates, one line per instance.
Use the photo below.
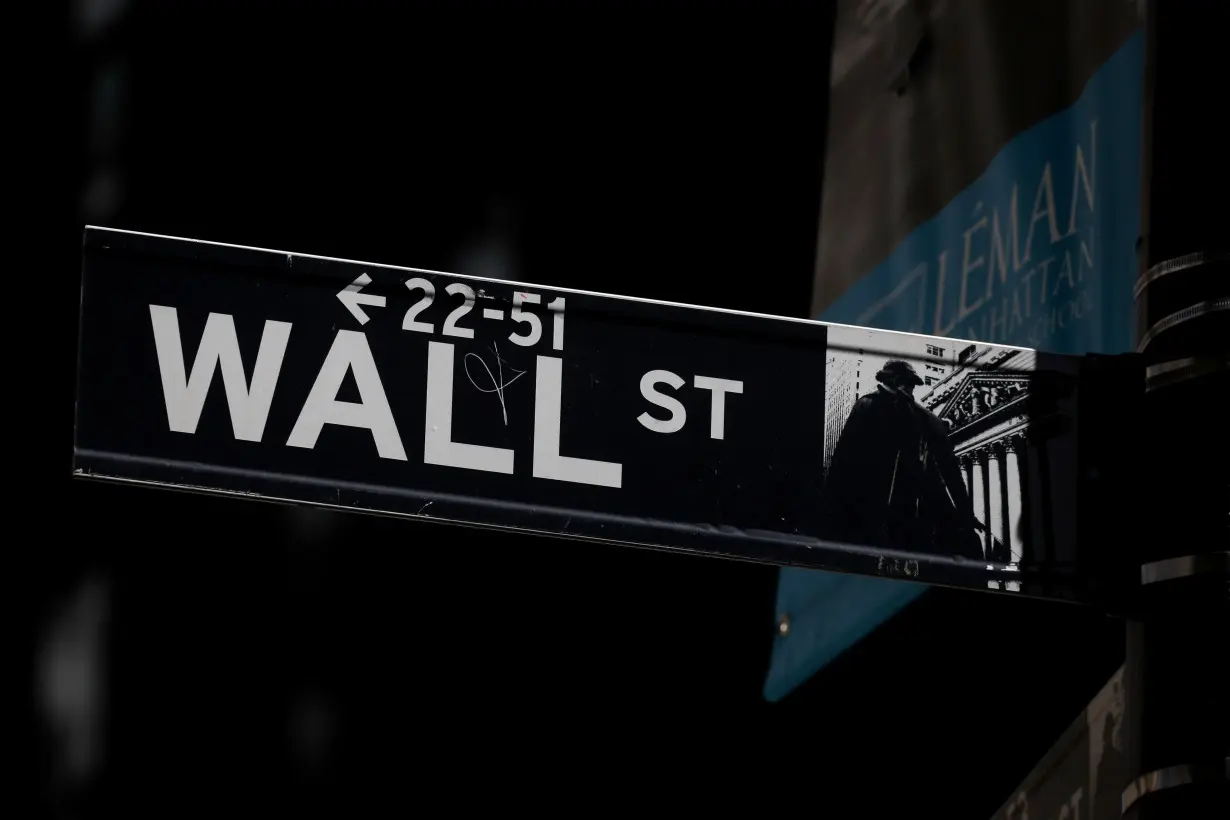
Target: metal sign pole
(1177, 683)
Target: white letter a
(349, 352)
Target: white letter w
(185, 395)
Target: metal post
(1178, 652)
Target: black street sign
(302, 379)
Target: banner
(1084, 774)
(982, 181)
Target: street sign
(302, 379)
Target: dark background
(639, 148)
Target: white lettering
(438, 445)
(219, 349)
(548, 463)
(348, 353)
(1083, 176)
(1044, 208)
(720, 387)
(649, 390)
(1075, 802)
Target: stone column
(995, 505)
(977, 490)
(1013, 484)
(966, 462)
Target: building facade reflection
(984, 401)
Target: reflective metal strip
(1181, 316)
(1182, 370)
(1179, 263)
(1169, 778)
(1185, 566)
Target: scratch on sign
(498, 385)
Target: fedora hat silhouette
(898, 371)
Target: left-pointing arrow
(352, 297)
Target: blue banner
(1039, 252)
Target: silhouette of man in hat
(894, 480)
